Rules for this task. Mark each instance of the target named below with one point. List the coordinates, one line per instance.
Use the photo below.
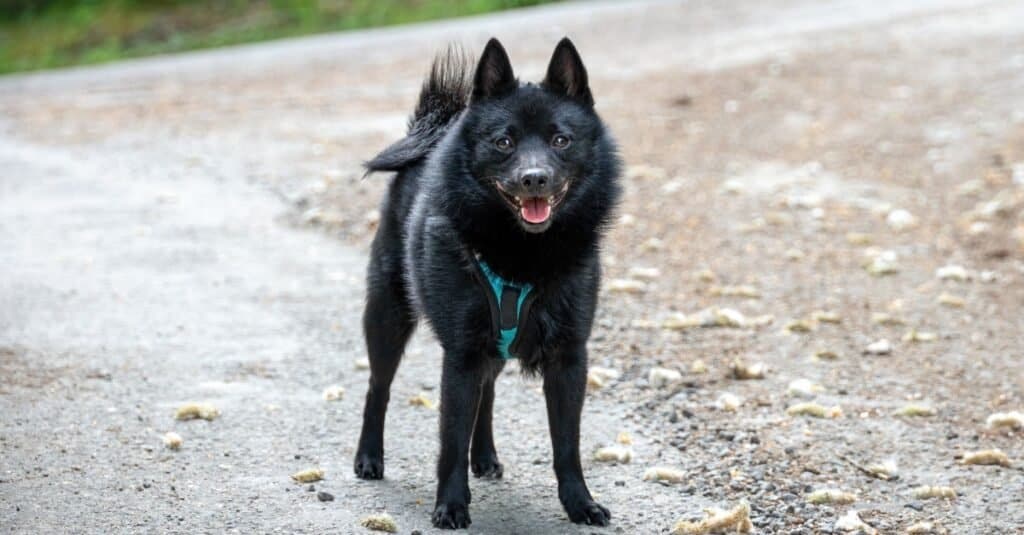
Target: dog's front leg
(460, 395)
(564, 389)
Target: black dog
(491, 230)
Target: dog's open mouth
(534, 210)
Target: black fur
(461, 191)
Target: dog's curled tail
(444, 95)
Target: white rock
(617, 454)
(900, 219)
(803, 388)
(952, 272)
(1008, 420)
(659, 377)
(881, 347)
(627, 286)
(173, 441)
(334, 393)
(883, 263)
(645, 273)
(728, 402)
(851, 522)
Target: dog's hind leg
(387, 323)
(483, 456)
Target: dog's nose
(534, 179)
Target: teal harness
(510, 304)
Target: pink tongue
(536, 210)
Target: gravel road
(194, 228)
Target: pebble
(172, 440)
(660, 377)
(334, 393)
(881, 347)
(953, 273)
(325, 496)
(900, 219)
(192, 411)
(885, 263)
(1006, 420)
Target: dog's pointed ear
(494, 75)
(567, 75)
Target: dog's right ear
(494, 75)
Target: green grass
(44, 34)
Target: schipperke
(491, 230)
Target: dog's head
(535, 150)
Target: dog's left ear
(567, 75)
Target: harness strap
(509, 303)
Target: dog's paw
(451, 516)
(489, 468)
(369, 466)
(588, 512)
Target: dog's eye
(504, 143)
(560, 141)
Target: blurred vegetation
(40, 34)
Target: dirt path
(194, 228)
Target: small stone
(953, 273)
(652, 245)
(381, 522)
(886, 470)
(598, 377)
(735, 520)
(927, 491)
(889, 320)
(618, 454)
(325, 496)
(744, 290)
(826, 354)
(987, 457)
(900, 220)
(192, 411)
(913, 335)
(803, 388)
(950, 300)
(644, 273)
(173, 441)
(334, 393)
(309, 475)
(858, 238)
(729, 402)
(831, 496)
(851, 522)
(885, 263)
(660, 377)
(627, 286)
(421, 400)
(881, 347)
(814, 409)
(915, 409)
(823, 316)
(743, 371)
(664, 474)
(1006, 420)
